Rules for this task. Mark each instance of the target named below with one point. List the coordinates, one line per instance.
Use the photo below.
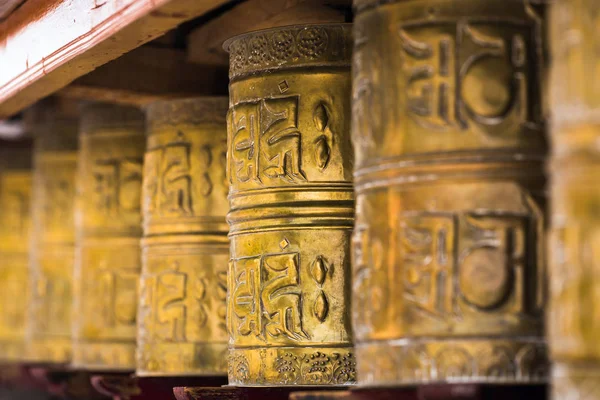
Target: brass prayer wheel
(574, 325)
(108, 231)
(291, 207)
(185, 250)
(48, 331)
(15, 224)
(448, 248)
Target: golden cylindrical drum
(448, 248)
(574, 323)
(182, 327)
(15, 224)
(108, 231)
(292, 209)
(52, 235)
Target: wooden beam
(46, 44)
(205, 44)
(145, 75)
(7, 6)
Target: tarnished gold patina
(15, 224)
(292, 208)
(182, 328)
(108, 231)
(574, 246)
(448, 249)
(53, 234)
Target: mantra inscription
(574, 242)
(291, 215)
(448, 245)
(50, 308)
(182, 326)
(15, 195)
(108, 231)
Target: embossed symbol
(479, 262)
(58, 202)
(322, 149)
(265, 141)
(266, 295)
(283, 86)
(117, 185)
(446, 63)
(15, 212)
(115, 297)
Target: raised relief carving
(50, 303)
(445, 64)
(267, 297)
(15, 212)
(114, 296)
(58, 211)
(169, 181)
(476, 261)
(322, 148)
(266, 142)
(117, 185)
(370, 296)
(169, 308)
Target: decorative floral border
(289, 46)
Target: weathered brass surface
(108, 231)
(15, 223)
(573, 323)
(292, 208)
(182, 328)
(448, 249)
(48, 330)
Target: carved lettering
(266, 142)
(266, 295)
(445, 64)
(477, 261)
(116, 296)
(117, 185)
(170, 311)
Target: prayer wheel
(574, 325)
(185, 250)
(15, 224)
(291, 207)
(108, 231)
(448, 248)
(48, 330)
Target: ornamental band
(55, 130)
(15, 195)
(291, 207)
(448, 251)
(108, 229)
(574, 243)
(182, 328)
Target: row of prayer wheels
(369, 205)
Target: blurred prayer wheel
(291, 207)
(448, 249)
(574, 325)
(182, 327)
(53, 234)
(15, 224)
(108, 232)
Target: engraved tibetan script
(117, 185)
(266, 296)
(446, 65)
(168, 180)
(115, 296)
(459, 262)
(265, 141)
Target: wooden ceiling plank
(50, 43)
